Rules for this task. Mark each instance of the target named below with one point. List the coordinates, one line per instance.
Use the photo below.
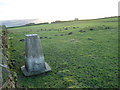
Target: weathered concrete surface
(34, 59)
(26, 73)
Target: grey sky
(50, 10)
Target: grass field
(82, 54)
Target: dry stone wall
(6, 79)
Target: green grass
(76, 61)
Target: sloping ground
(82, 54)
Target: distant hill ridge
(12, 23)
(29, 22)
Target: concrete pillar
(34, 58)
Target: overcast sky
(50, 10)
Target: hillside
(82, 54)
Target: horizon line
(58, 19)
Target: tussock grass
(81, 60)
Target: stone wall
(6, 78)
(1, 80)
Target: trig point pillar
(34, 58)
